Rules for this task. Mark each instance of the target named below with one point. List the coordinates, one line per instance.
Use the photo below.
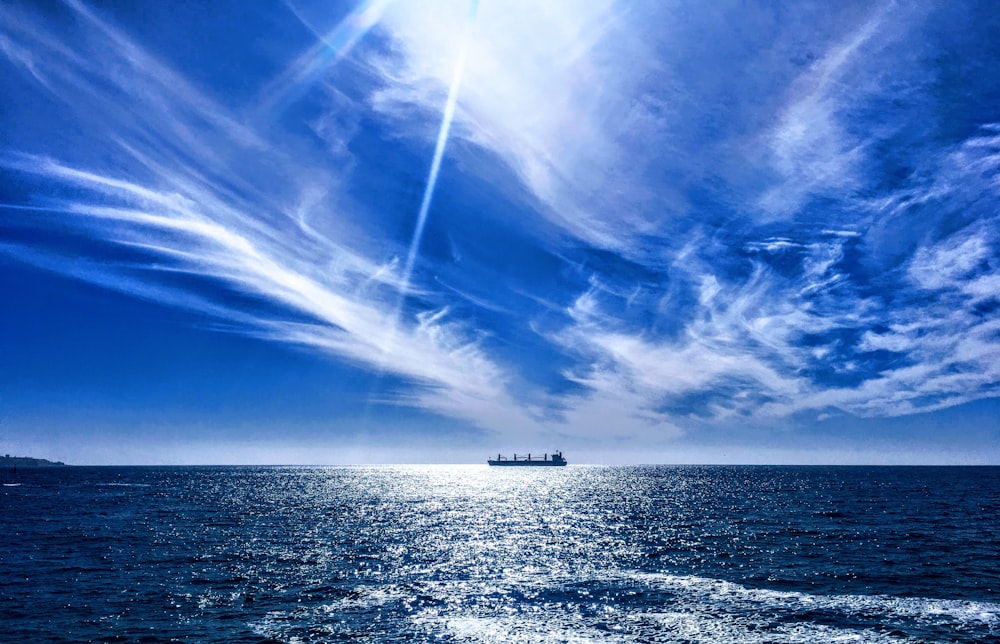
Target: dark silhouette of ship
(524, 461)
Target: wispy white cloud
(614, 409)
(818, 147)
(547, 87)
(175, 228)
(739, 339)
(952, 261)
(187, 209)
(743, 339)
(809, 146)
(592, 106)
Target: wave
(625, 607)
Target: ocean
(473, 554)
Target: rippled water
(469, 553)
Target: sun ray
(442, 140)
(329, 48)
(432, 175)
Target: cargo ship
(523, 461)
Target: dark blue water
(469, 553)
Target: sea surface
(474, 554)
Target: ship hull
(526, 463)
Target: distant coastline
(25, 461)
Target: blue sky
(430, 231)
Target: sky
(399, 231)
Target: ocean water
(473, 554)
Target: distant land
(24, 461)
